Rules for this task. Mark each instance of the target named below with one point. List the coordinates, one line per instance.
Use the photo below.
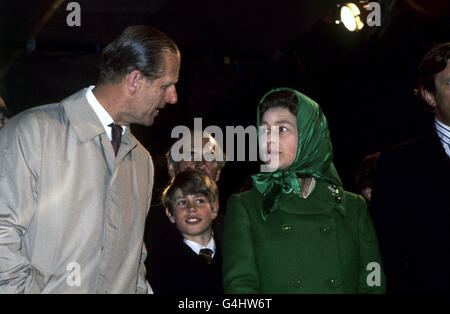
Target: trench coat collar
(82, 117)
(86, 123)
(325, 198)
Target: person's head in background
(197, 158)
(192, 203)
(434, 81)
(4, 115)
(365, 176)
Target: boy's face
(193, 216)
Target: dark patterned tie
(206, 254)
(116, 136)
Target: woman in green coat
(297, 230)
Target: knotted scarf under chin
(272, 184)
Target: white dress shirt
(443, 131)
(101, 113)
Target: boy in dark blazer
(160, 233)
(193, 264)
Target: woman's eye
(283, 129)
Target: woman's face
(280, 141)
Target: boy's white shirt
(196, 247)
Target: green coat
(315, 245)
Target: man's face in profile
(442, 95)
(440, 98)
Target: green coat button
(333, 282)
(286, 227)
(295, 282)
(326, 228)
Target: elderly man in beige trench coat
(75, 184)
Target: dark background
(232, 53)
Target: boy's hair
(190, 182)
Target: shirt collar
(442, 129)
(443, 132)
(196, 247)
(100, 111)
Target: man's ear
(215, 209)
(133, 81)
(169, 215)
(171, 168)
(428, 96)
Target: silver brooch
(335, 192)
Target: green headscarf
(314, 155)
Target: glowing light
(350, 17)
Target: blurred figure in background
(410, 205)
(365, 176)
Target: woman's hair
(283, 99)
(190, 182)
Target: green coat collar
(322, 200)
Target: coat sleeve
(372, 278)
(142, 285)
(20, 159)
(240, 274)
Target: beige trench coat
(71, 213)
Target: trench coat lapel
(82, 117)
(127, 143)
(88, 126)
